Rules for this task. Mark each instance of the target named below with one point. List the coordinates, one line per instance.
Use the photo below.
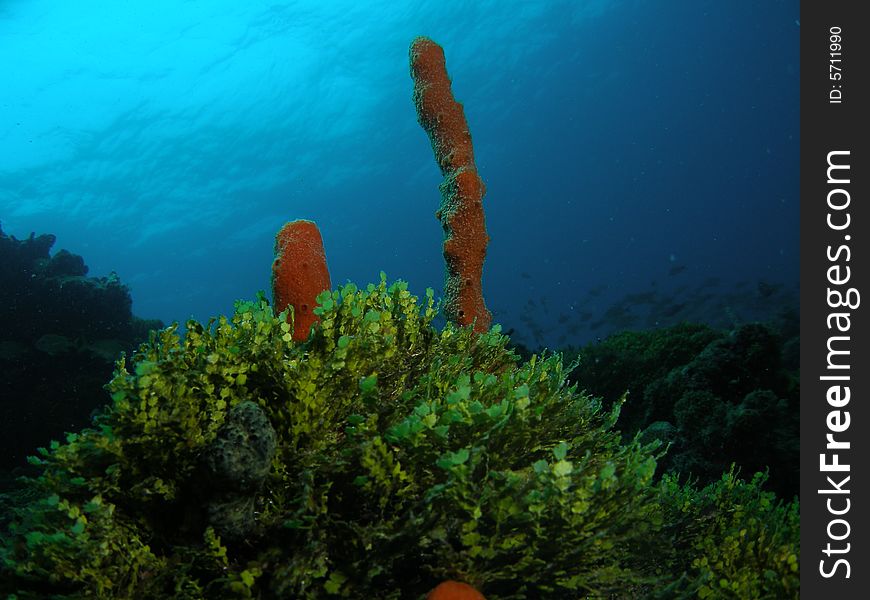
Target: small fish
(640, 298)
(673, 309)
(766, 290)
(54, 344)
(596, 291)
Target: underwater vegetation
(376, 455)
(60, 334)
(376, 459)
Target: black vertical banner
(835, 362)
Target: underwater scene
(441, 300)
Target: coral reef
(404, 456)
(299, 273)
(462, 191)
(718, 397)
(61, 333)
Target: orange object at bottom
(454, 590)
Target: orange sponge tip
(299, 273)
(454, 590)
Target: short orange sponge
(299, 273)
(461, 212)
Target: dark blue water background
(641, 158)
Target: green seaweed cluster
(376, 459)
(741, 541)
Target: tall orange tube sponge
(299, 273)
(462, 191)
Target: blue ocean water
(641, 158)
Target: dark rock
(66, 263)
(233, 468)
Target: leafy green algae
(403, 456)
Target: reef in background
(716, 396)
(60, 333)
